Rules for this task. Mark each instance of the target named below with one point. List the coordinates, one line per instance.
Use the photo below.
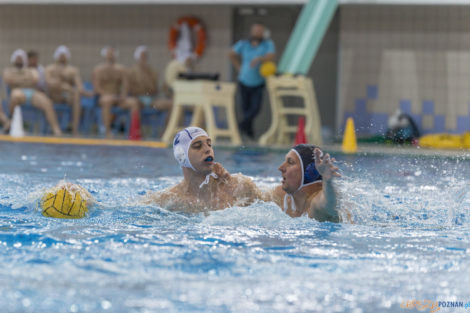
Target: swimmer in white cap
(307, 184)
(206, 185)
(22, 81)
(111, 86)
(64, 84)
(143, 82)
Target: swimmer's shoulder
(277, 195)
(8, 71)
(242, 179)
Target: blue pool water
(410, 239)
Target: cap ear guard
(306, 155)
(311, 173)
(179, 154)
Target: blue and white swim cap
(306, 154)
(182, 142)
(310, 174)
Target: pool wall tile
(392, 60)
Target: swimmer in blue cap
(306, 186)
(206, 185)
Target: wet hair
(32, 54)
(258, 23)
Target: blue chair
(64, 114)
(154, 118)
(88, 109)
(121, 115)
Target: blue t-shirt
(248, 75)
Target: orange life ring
(195, 25)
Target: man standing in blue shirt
(247, 56)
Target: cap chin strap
(291, 196)
(206, 180)
(294, 208)
(288, 195)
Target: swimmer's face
(291, 172)
(33, 61)
(201, 155)
(62, 58)
(18, 62)
(110, 55)
(143, 57)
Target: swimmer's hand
(325, 165)
(220, 171)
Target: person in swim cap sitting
(206, 184)
(307, 184)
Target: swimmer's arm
(14, 79)
(323, 207)
(159, 198)
(252, 192)
(78, 81)
(97, 81)
(155, 80)
(163, 197)
(275, 195)
(10, 79)
(31, 79)
(125, 84)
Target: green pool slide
(307, 36)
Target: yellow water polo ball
(63, 203)
(268, 68)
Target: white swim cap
(62, 50)
(19, 53)
(138, 52)
(182, 142)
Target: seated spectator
(64, 84)
(143, 82)
(33, 62)
(111, 87)
(23, 82)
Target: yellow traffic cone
(349, 137)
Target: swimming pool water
(410, 239)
